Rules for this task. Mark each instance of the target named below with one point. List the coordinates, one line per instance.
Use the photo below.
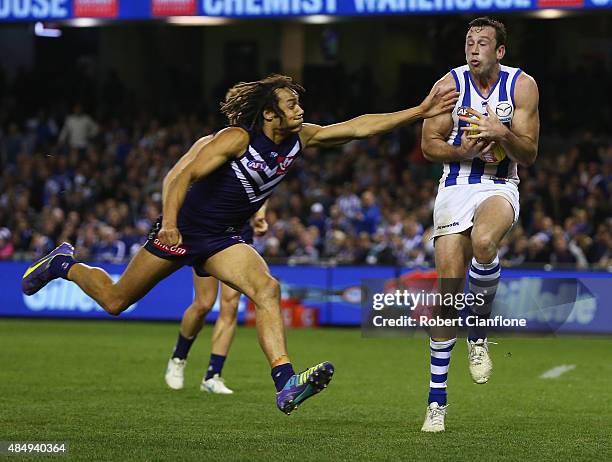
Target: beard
(482, 70)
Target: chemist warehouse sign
(33, 10)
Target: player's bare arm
(205, 158)
(441, 99)
(259, 222)
(193, 151)
(521, 140)
(436, 131)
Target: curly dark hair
(500, 29)
(245, 102)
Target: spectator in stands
(12, 144)
(109, 249)
(363, 204)
(78, 130)
(6, 246)
(317, 217)
(368, 218)
(348, 202)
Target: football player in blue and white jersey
(493, 128)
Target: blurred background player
(209, 200)
(493, 128)
(206, 291)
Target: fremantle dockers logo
(174, 250)
(283, 164)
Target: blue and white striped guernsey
(500, 100)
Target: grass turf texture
(99, 385)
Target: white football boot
(216, 385)
(175, 373)
(434, 419)
(481, 365)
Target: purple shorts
(195, 249)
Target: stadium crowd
(95, 180)
(98, 185)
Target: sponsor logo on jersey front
(504, 111)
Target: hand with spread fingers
(440, 100)
(484, 127)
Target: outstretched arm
(441, 99)
(205, 156)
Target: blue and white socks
(483, 282)
(483, 279)
(440, 362)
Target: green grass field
(99, 386)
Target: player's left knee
(485, 248)
(201, 306)
(228, 317)
(229, 307)
(268, 289)
(230, 303)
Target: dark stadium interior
(153, 89)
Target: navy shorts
(196, 248)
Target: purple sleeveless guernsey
(217, 208)
(225, 200)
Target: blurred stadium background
(94, 111)
(99, 98)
